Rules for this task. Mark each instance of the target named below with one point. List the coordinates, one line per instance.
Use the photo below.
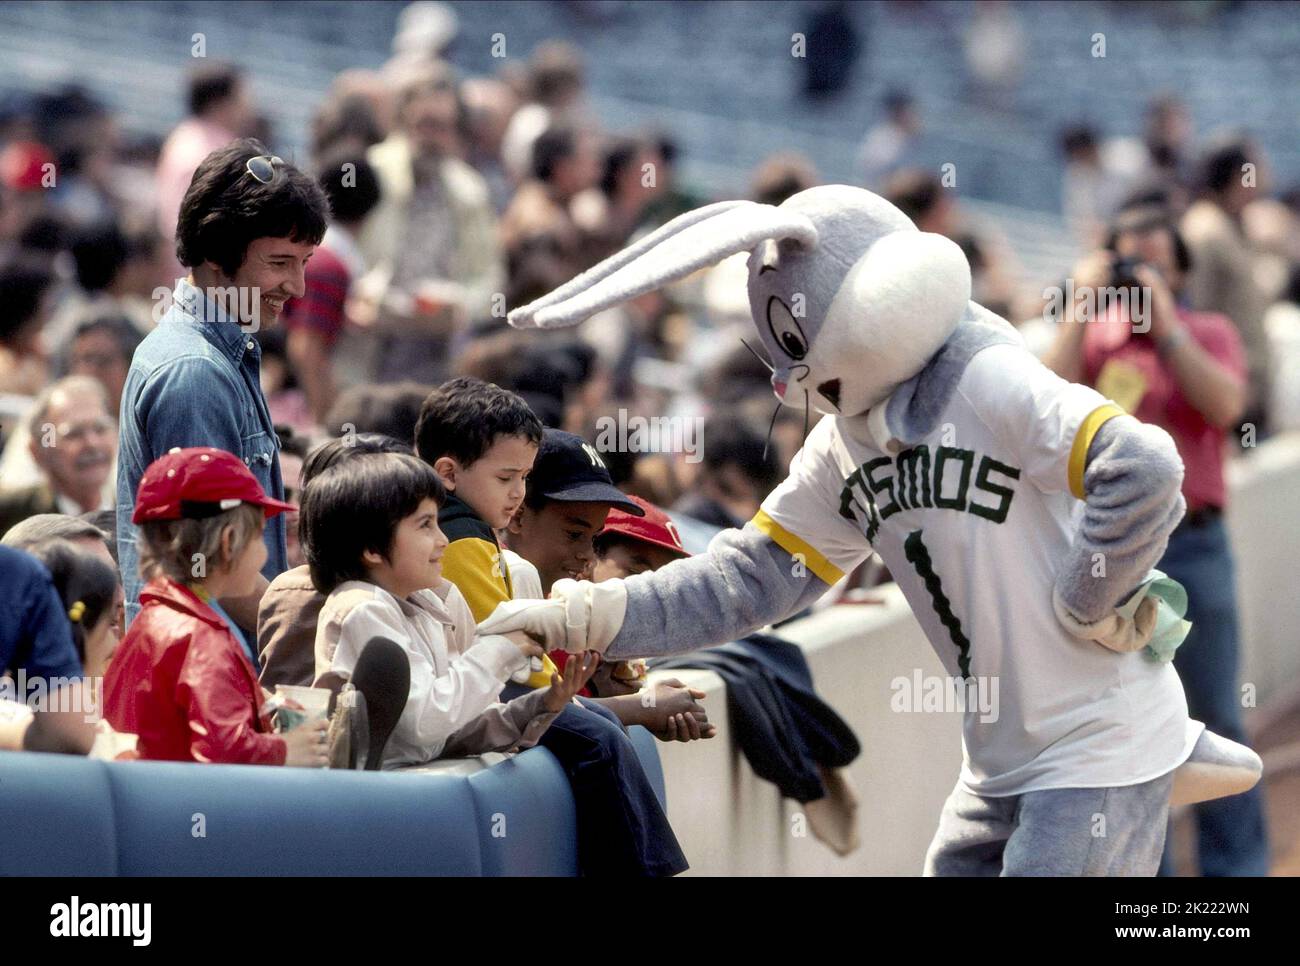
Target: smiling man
(248, 224)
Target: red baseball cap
(198, 482)
(655, 527)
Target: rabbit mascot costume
(1019, 514)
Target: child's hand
(674, 713)
(307, 746)
(565, 685)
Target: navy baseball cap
(569, 469)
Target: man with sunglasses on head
(248, 224)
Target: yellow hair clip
(76, 610)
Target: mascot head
(849, 298)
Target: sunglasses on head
(263, 167)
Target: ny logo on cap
(595, 456)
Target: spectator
(247, 226)
(84, 533)
(315, 321)
(672, 199)
(736, 472)
(1222, 278)
(26, 287)
(1167, 135)
(287, 616)
(81, 576)
(433, 234)
(555, 82)
(220, 111)
(91, 596)
(629, 182)
(389, 410)
(36, 646)
(73, 440)
(370, 527)
(26, 169)
(102, 349)
(184, 677)
(116, 275)
(1185, 373)
(355, 116)
(544, 244)
(780, 176)
(44, 527)
(425, 30)
(489, 105)
(1087, 194)
(553, 535)
(891, 143)
(832, 50)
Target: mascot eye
(785, 329)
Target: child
(88, 598)
(370, 532)
(288, 611)
(482, 441)
(569, 496)
(92, 602)
(183, 679)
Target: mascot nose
(778, 386)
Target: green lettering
(882, 486)
(914, 477)
(967, 460)
(982, 482)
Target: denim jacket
(194, 381)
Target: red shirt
(1122, 365)
(182, 683)
(320, 310)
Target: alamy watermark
(651, 434)
(934, 693)
(1092, 303)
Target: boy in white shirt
(370, 531)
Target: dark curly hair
(226, 208)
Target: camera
(1122, 273)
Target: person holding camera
(1186, 372)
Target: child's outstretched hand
(564, 685)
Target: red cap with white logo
(655, 527)
(198, 482)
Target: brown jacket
(286, 629)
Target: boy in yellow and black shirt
(482, 440)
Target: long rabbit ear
(689, 242)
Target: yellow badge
(1123, 383)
